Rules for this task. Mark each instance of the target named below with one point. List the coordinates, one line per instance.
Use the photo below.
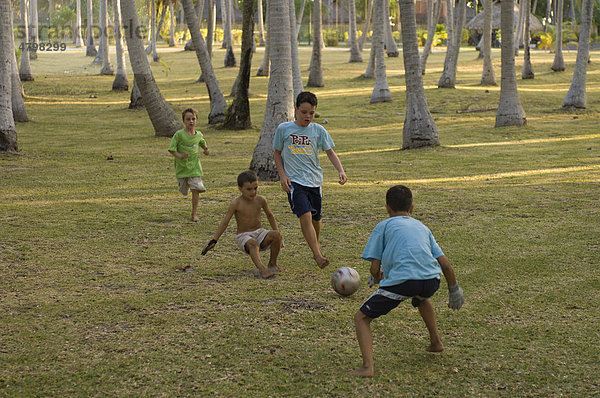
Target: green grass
(94, 298)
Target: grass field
(103, 291)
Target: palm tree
(390, 44)
(510, 112)
(78, 38)
(121, 83)
(419, 128)
(238, 114)
(299, 17)
(8, 132)
(226, 11)
(488, 78)
(355, 55)
(296, 74)
(576, 96)
(381, 91)
(527, 70)
(280, 101)
(315, 77)
(164, 120)
(363, 36)
(106, 66)
(25, 69)
(263, 70)
(90, 49)
(261, 25)
(433, 15)
(448, 78)
(558, 65)
(33, 27)
(217, 100)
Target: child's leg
(317, 227)
(365, 341)
(310, 235)
(254, 252)
(195, 199)
(428, 315)
(273, 240)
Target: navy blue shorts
(385, 299)
(305, 199)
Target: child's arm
(456, 293)
(222, 227)
(179, 155)
(335, 161)
(270, 216)
(205, 148)
(283, 178)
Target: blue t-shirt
(299, 148)
(406, 248)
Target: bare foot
(362, 372)
(275, 268)
(435, 347)
(267, 273)
(322, 262)
(195, 218)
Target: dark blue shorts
(305, 199)
(385, 299)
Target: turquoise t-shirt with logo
(299, 148)
(406, 248)
(182, 142)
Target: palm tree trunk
(488, 78)
(299, 17)
(363, 36)
(264, 68)
(355, 55)
(433, 15)
(90, 49)
(419, 128)
(527, 70)
(230, 60)
(448, 78)
(78, 38)
(8, 132)
(98, 59)
(261, 25)
(238, 114)
(390, 44)
(33, 27)
(280, 101)
(217, 100)
(172, 25)
(296, 74)
(315, 76)
(106, 66)
(18, 104)
(210, 28)
(381, 91)
(558, 65)
(121, 83)
(164, 120)
(25, 69)
(576, 96)
(510, 112)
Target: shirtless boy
(251, 237)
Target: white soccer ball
(345, 281)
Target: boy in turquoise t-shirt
(188, 170)
(407, 262)
(296, 148)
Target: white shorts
(258, 235)
(193, 183)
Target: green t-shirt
(182, 142)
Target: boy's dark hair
(189, 110)
(399, 198)
(306, 96)
(246, 176)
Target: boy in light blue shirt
(407, 262)
(296, 148)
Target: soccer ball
(345, 281)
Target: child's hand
(343, 178)
(456, 298)
(285, 183)
(209, 246)
(206, 152)
(183, 155)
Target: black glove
(209, 246)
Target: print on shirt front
(300, 145)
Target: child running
(296, 148)
(188, 170)
(406, 261)
(251, 237)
